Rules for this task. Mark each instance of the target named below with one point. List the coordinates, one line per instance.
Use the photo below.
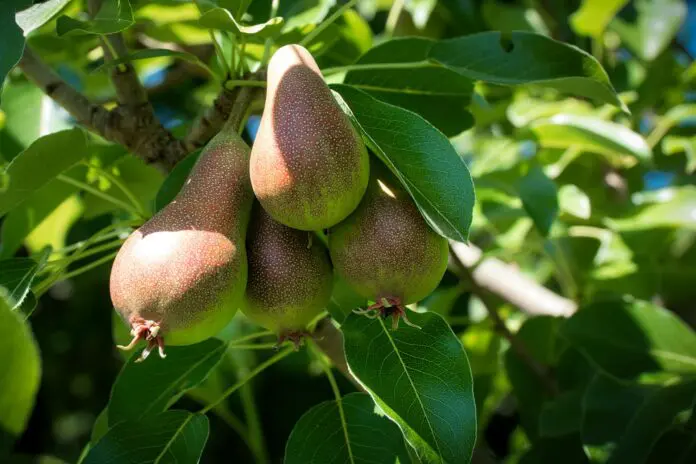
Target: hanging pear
(290, 279)
(385, 250)
(309, 167)
(181, 276)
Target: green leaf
(421, 157)
(113, 16)
(175, 180)
(222, 19)
(539, 198)
(525, 58)
(657, 22)
(674, 210)
(155, 53)
(172, 436)
(574, 201)
(673, 144)
(320, 436)
(38, 164)
(622, 421)
(156, 385)
(16, 276)
(420, 378)
(540, 336)
(594, 16)
(29, 114)
(19, 376)
(562, 415)
(618, 143)
(37, 15)
(11, 37)
(436, 93)
(628, 338)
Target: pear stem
(239, 109)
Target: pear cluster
(241, 232)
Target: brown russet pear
(309, 166)
(385, 250)
(180, 277)
(290, 276)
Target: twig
(330, 340)
(515, 343)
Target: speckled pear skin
(186, 268)
(289, 281)
(385, 249)
(309, 167)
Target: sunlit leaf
(113, 16)
(421, 157)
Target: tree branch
(136, 128)
(515, 343)
(506, 282)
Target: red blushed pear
(385, 250)
(180, 278)
(309, 167)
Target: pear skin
(290, 276)
(181, 276)
(385, 250)
(309, 166)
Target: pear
(385, 251)
(290, 277)
(309, 167)
(181, 276)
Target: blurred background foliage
(590, 201)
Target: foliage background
(593, 203)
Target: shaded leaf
(38, 164)
(526, 58)
(11, 37)
(19, 376)
(539, 198)
(175, 180)
(113, 16)
(158, 384)
(420, 378)
(320, 436)
(172, 436)
(16, 276)
(436, 93)
(622, 421)
(421, 157)
(628, 338)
